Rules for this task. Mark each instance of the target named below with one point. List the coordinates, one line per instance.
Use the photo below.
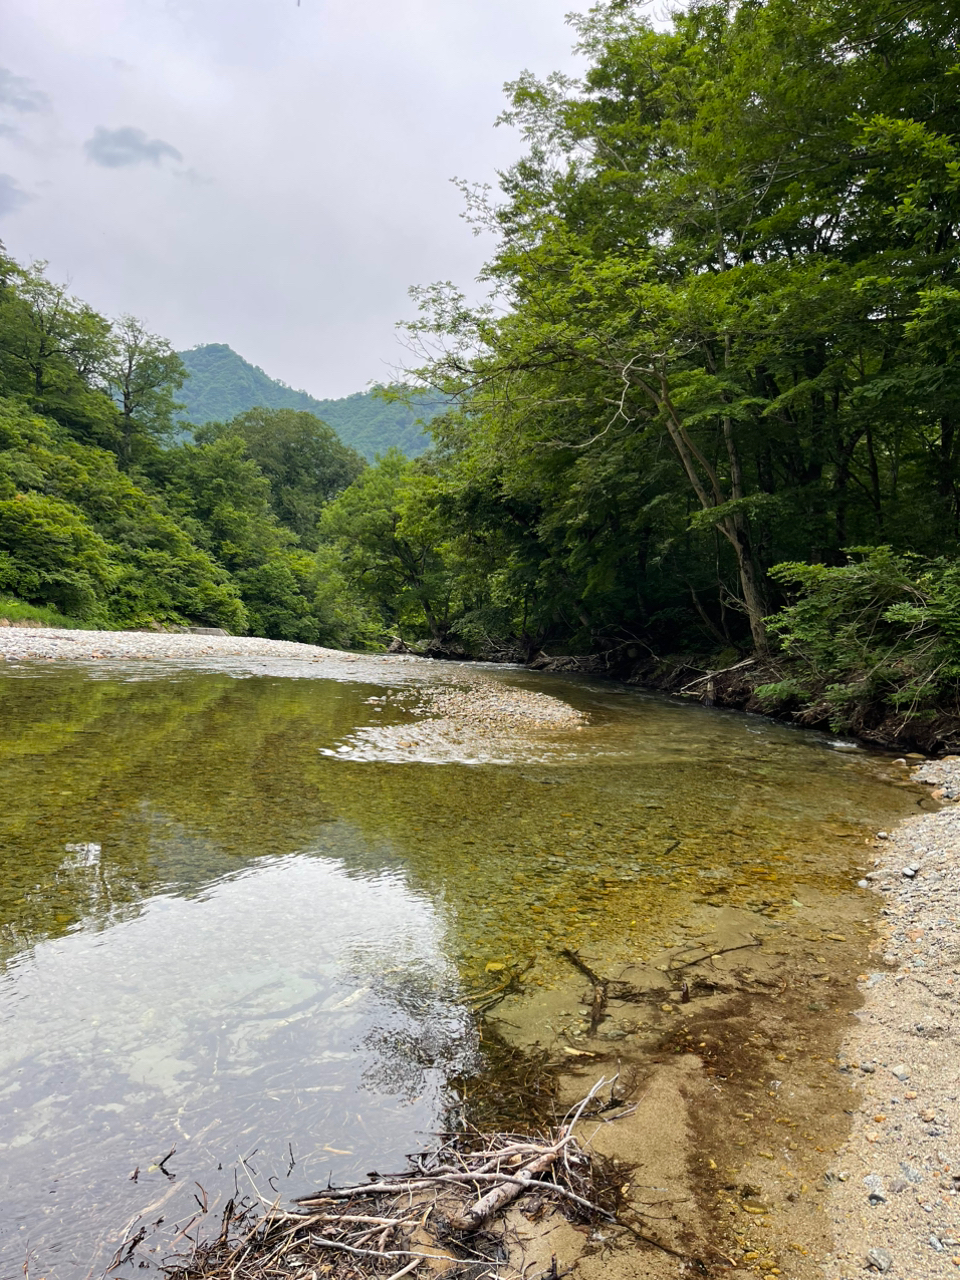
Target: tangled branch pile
(437, 1218)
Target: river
(245, 913)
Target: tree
(303, 459)
(53, 349)
(77, 533)
(143, 373)
(388, 537)
(717, 247)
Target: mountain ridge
(221, 384)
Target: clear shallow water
(241, 915)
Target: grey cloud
(193, 177)
(120, 148)
(329, 131)
(17, 94)
(12, 195)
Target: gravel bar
(21, 644)
(894, 1193)
(453, 695)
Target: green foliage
(79, 535)
(779, 694)
(302, 458)
(881, 632)
(222, 385)
(101, 523)
(727, 271)
(143, 372)
(13, 610)
(222, 496)
(49, 553)
(53, 349)
(386, 538)
(723, 339)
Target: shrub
(878, 635)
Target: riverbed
(251, 895)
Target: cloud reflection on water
(294, 1002)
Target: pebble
(908, 1030)
(879, 1260)
(24, 644)
(874, 1184)
(464, 711)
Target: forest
(708, 416)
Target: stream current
(242, 913)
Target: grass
(42, 615)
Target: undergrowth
(42, 615)
(876, 638)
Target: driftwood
(601, 987)
(711, 675)
(617, 989)
(433, 1215)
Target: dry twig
(365, 1230)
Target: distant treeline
(220, 384)
(712, 410)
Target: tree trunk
(750, 582)
(710, 493)
(876, 493)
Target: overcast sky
(258, 172)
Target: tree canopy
(724, 286)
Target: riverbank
(894, 1199)
(734, 684)
(780, 1145)
(776, 686)
(732, 681)
(728, 682)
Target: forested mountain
(220, 384)
(109, 521)
(713, 409)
